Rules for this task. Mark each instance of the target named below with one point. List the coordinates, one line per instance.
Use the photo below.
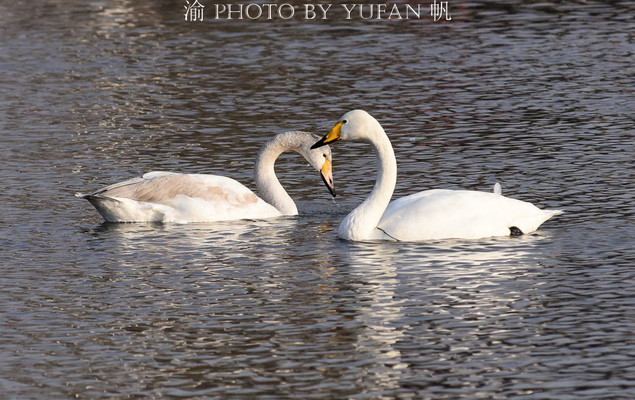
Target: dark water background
(537, 96)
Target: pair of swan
(172, 197)
(427, 215)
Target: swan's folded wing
(185, 197)
(444, 214)
(213, 197)
(164, 188)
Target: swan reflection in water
(453, 282)
(290, 286)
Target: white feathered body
(431, 214)
(446, 214)
(173, 197)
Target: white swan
(431, 214)
(173, 197)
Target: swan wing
(174, 197)
(444, 214)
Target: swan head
(321, 159)
(354, 125)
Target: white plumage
(427, 215)
(174, 197)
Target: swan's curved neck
(361, 223)
(267, 183)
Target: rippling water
(539, 97)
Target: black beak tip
(317, 144)
(329, 185)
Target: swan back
(450, 214)
(173, 197)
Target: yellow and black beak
(327, 176)
(332, 136)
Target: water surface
(537, 97)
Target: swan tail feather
(530, 224)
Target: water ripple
(535, 96)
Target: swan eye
(324, 155)
(345, 121)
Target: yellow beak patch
(333, 135)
